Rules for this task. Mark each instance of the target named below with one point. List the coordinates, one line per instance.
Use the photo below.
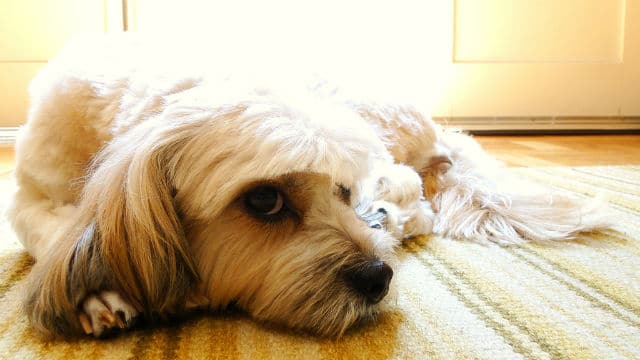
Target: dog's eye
(265, 201)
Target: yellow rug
(578, 300)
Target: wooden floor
(567, 150)
(527, 151)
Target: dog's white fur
(131, 178)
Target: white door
(478, 63)
(550, 63)
(31, 32)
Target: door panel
(544, 58)
(566, 31)
(33, 31)
(467, 58)
(630, 94)
(13, 91)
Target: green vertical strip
(503, 311)
(498, 328)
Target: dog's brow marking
(344, 194)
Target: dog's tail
(473, 200)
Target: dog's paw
(420, 218)
(413, 220)
(376, 218)
(105, 313)
(385, 216)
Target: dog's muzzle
(371, 280)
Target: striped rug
(454, 300)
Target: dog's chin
(327, 309)
(328, 318)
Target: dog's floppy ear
(128, 237)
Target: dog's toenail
(121, 320)
(107, 317)
(85, 323)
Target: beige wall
(545, 58)
(463, 58)
(31, 32)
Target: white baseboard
(8, 136)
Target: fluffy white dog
(144, 192)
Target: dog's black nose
(371, 280)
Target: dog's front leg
(66, 293)
(106, 312)
(396, 203)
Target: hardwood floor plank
(565, 150)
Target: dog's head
(249, 204)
